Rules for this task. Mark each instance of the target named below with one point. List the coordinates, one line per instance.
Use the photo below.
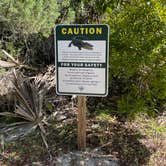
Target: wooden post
(81, 137)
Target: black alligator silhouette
(81, 44)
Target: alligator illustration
(81, 44)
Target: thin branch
(14, 62)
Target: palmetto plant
(28, 112)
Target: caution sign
(82, 53)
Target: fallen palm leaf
(7, 64)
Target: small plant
(29, 114)
(105, 117)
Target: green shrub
(29, 16)
(137, 55)
(24, 22)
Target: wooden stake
(81, 137)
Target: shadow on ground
(119, 140)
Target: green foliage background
(137, 43)
(138, 55)
(29, 16)
(24, 26)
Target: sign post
(81, 137)
(82, 66)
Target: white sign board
(82, 59)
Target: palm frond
(16, 131)
(29, 109)
(25, 114)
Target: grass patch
(104, 115)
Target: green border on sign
(84, 35)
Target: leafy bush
(137, 55)
(23, 24)
(29, 16)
